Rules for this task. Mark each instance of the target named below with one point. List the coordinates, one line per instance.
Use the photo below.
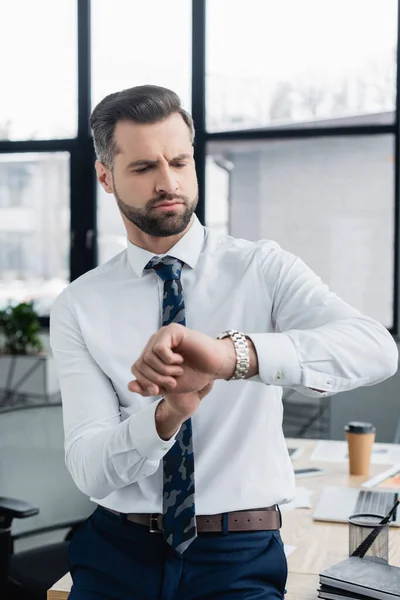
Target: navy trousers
(111, 558)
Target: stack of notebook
(359, 579)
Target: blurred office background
(297, 140)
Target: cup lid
(359, 427)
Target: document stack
(360, 578)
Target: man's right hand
(175, 409)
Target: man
(187, 462)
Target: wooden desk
(319, 545)
(300, 585)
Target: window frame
(83, 234)
(295, 132)
(82, 179)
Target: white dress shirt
(304, 335)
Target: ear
(104, 177)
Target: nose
(167, 181)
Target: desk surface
(319, 545)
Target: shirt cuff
(143, 432)
(278, 362)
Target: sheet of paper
(337, 451)
(289, 550)
(302, 499)
(389, 479)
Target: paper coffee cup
(360, 439)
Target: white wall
(329, 201)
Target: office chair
(38, 492)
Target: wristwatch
(242, 352)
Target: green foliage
(20, 326)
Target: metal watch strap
(242, 352)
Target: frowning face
(153, 177)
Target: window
(137, 43)
(14, 177)
(15, 250)
(280, 63)
(34, 227)
(328, 200)
(112, 237)
(218, 168)
(38, 45)
(283, 81)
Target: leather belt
(262, 519)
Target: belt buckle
(153, 526)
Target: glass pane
(34, 228)
(111, 230)
(137, 43)
(330, 201)
(39, 97)
(279, 63)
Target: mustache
(166, 198)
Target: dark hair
(141, 104)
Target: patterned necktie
(179, 521)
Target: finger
(134, 386)
(153, 361)
(149, 388)
(146, 348)
(150, 380)
(164, 381)
(166, 355)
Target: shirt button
(278, 375)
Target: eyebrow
(147, 163)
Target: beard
(165, 224)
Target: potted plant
(26, 370)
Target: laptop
(338, 504)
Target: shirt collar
(187, 249)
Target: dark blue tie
(179, 521)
